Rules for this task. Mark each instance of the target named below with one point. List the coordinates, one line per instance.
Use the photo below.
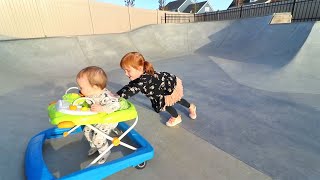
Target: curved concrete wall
(250, 42)
(219, 63)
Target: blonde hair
(136, 60)
(95, 75)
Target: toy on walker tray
(69, 115)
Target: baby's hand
(96, 108)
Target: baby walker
(70, 116)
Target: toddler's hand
(96, 108)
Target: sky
(154, 4)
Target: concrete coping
(281, 18)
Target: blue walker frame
(36, 169)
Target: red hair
(136, 60)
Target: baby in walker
(92, 82)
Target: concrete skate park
(256, 87)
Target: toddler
(92, 82)
(162, 88)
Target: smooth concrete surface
(256, 87)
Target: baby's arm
(108, 104)
(111, 105)
(96, 108)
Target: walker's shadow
(67, 155)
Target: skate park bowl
(256, 87)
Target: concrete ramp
(256, 87)
(270, 57)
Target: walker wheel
(142, 165)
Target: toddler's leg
(184, 103)
(175, 119)
(88, 133)
(106, 155)
(101, 142)
(172, 111)
(107, 128)
(192, 108)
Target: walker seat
(61, 115)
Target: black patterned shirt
(155, 87)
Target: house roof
(247, 2)
(196, 6)
(174, 4)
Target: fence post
(165, 18)
(292, 10)
(240, 11)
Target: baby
(92, 82)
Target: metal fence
(177, 18)
(301, 10)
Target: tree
(129, 3)
(238, 3)
(195, 10)
(162, 4)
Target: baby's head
(92, 80)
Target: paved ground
(256, 87)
